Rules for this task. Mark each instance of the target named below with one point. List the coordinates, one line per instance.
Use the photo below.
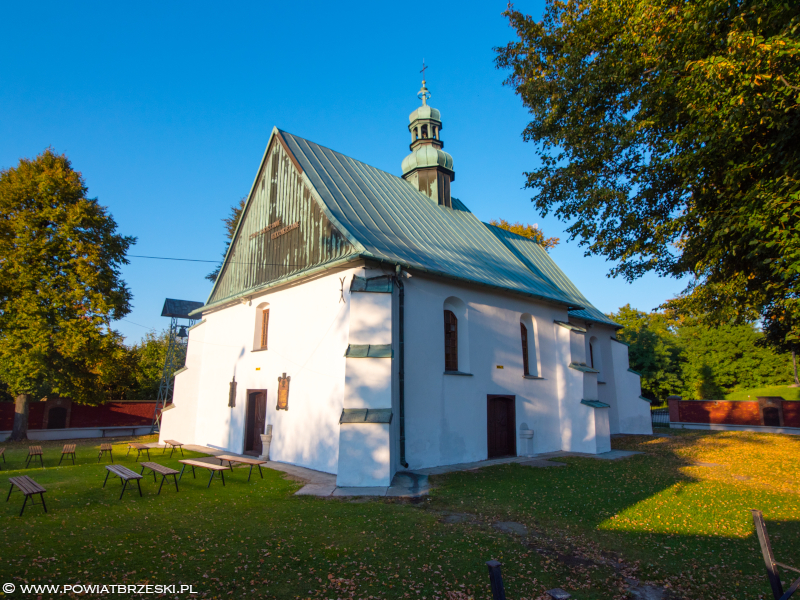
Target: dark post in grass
(770, 562)
(496, 580)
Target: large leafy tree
(667, 132)
(654, 350)
(60, 286)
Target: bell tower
(428, 168)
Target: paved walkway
(406, 484)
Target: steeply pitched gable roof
(395, 222)
(387, 219)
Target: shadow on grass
(680, 511)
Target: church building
(375, 325)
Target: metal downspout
(401, 371)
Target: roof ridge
(340, 154)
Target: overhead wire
(238, 262)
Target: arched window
(450, 341)
(531, 359)
(526, 369)
(261, 333)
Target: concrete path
(406, 484)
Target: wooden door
(501, 426)
(256, 422)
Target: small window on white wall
(261, 333)
(529, 334)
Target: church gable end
(283, 231)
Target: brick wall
(719, 411)
(730, 412)
(113, 414)
(791, 414)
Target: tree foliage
(532, 232)
(686, 357)
(667, 132)
(231, 223)
(60, 285)
(653, 350)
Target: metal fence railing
(660, 417)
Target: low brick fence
(769, 413)
(51, 417)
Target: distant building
(377, 325)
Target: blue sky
(166, 109)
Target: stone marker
(558, 594)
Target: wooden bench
(34, 451)
(139, 449)
(103, 449)
(68, 450)
(161, 470)
(172, 444)
(3, 454)
(253, 462)
(28, 487)
(125, 475)
(204, 465)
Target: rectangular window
(264, 328)
(525, 366)
(450, 341)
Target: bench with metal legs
(68, 450)
(33, 452)
(161, 470)
(139, 449)
(29, 488)
(172, 444)
(103, 449)
(242, 460)
(204, 465)
(125, 475)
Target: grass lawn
(788, 393)
(657, 517)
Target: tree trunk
(20, 431)
(794, 363)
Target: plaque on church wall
(283, 392)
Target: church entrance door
(256, 421)
(501, 426)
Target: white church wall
(606, 380)
(364, 457)
(307, 340)
(634, 412)
(446, 415)
(365, 449)
(576, 425)
(180, 421)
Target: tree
(722, 359)
(667, 132)
(231, 223)
(776, 326)
(60, 286)
(150, 355)
(532, 232)
(654, 351)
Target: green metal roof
(395, 222)
(369, 351)
(539, 261)
(383, 217)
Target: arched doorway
(501, 426)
